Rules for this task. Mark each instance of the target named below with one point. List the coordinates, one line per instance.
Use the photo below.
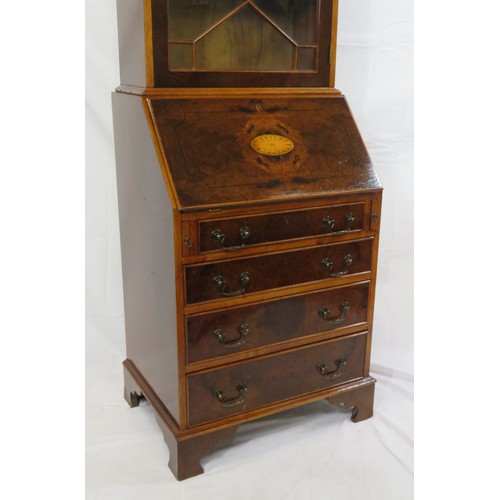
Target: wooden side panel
(131, 42)
(148, 259)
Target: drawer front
(235, 233)
(228, 391)
(241, 277)
(245, 328)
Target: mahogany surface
(275, 321)
(206, 144)
(188, 446)
(249, 279)
(147, 252)
(274, 378)
(277, 270)
(281, 226)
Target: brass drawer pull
(325, 314)
(330, 223)
(229, 403)
(244, 330)
(328, 265)
(220, 283)
(219, 236)
(323, 369)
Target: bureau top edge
(226, 93)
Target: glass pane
(189, 19)
(306, 59)
(245, 41)
(297, 18)
(181, 56)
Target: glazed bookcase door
(243, 42)
(258, 35)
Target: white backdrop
(126, 456)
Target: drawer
(239, 388)
(230, 234)
(245, 328)
(230, 278)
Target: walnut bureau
(249, 225)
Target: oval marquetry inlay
(272, 145)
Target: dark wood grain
(277, 270)
(189, 445)
(275, 321)
(192, 221)
(281, 226)
(206, 144)
(274, 378)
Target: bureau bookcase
(249, 217)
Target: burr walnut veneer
(248, 273)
